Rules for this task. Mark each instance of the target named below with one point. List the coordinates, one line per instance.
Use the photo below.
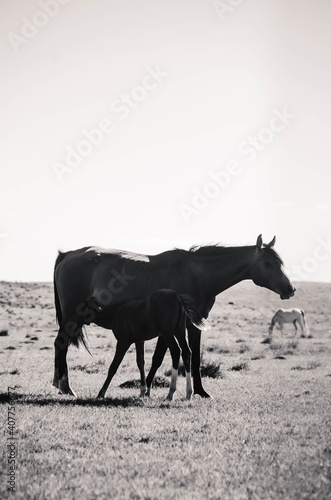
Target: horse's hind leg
(121, 349)
(281, 326)
(61, 377)
(158, 356)
(140, 357)
(271, 327)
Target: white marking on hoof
(173, 384)
(65, 388)
(142, 391)
(189, 389)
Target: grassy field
(266, 433)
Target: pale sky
(183, 92)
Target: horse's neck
(218, 272)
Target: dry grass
(266, 433)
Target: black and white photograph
(165, 249)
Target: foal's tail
(192, 313)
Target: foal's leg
(121, 349)
(175, 355)
(160, 350)
(186, 355)
(295, 326)
(141, 365)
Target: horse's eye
(267, 264)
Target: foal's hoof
(142, 391)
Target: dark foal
(162, 313)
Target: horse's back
(114, 276)
(93, 271)
(288, 314)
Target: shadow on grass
(27, 399)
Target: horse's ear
(272, 242)
(259, 242)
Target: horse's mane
(273, 254)
(209, 249)
(217, 249)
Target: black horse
(114, 276)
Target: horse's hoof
(67, 391)
(204, 394)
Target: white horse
(289, 316)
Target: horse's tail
(58, 310)
(80, 335)
(191, 312)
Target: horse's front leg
(140, 357)
(281, 326)
(194, 336)
(121, 349)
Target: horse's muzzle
(288, 293)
